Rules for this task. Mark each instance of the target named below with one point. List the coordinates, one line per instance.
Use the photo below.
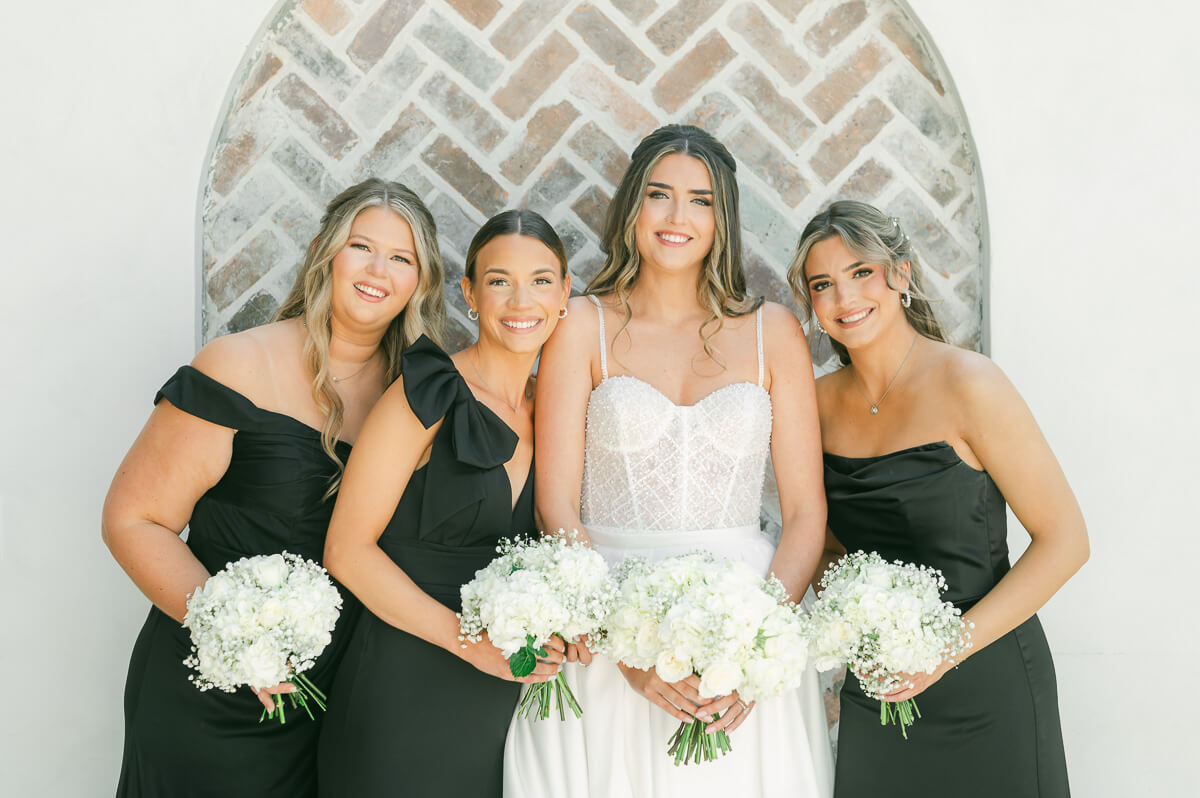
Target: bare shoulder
(975, 382)
(580, 330)
(242, 361)
(780, 321)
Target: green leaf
(522, 662)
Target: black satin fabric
(409, 717)
(178, 740)
(990, 727)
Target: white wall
(1084, 121)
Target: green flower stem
(691, 745)
(902, 713)
(538, 698)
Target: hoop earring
(562, 312)
(905, 299)
(473, 314)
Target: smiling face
(518, 290)
(376, 270)
(675, 227)
(851, 298)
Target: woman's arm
(795, 451)
(391, 445)
(1002, 433)
(563, 386)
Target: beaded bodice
(652, 465)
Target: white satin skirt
(618, 749)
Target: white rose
(271, 612)
(720, 678)
(671, 668)
(262, 665)
(270, 571)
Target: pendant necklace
(875, 405)
(361, 368)
(486, 387)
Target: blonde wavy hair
(311, 297)
(876, 238)
(721, 288)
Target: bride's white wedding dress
(661, 479)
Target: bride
(659, 398)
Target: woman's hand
(671, 697)
(266, 694)
(486, 657)
(732, 709)
(919, 681)
(579, 651)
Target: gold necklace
(486, 387)
(875, 405)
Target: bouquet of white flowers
(536, 589)
(718, 619)
(261, 621)
(883, 619)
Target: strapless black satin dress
(990, 727)
(407, 717)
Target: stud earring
(817, 323)
(473, 314)
(905, 299)
(562, 312)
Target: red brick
(675, 27)
(534, 76)
(245, 269)
(315, 117)
(782, 115)
(835, 26)
(907, 39)
(262, 71)
(841, 85)
(591, 207)
(544, 130)
(768, 41)
(693, 71)
(395, 146)
(867, 181)
(837, 151)
(712, 112)
(465, 176)
(375, 37)
(331, 15)
(552, 188)
(595, 88)
(608, 42)
(764, 280)
(478, 12)
(594, 146)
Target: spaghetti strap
(604, 342)
(758, 325)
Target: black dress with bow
(990, 727)
(407, 717)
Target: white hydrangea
(882, 619)
(536, 589)
(261, 621)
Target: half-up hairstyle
(875, 238)
(311, 297)
(721, 288)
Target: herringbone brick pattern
(480, 105)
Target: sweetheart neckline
(668, 399)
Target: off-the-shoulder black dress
(990, 727)
(407, 717)
(179, 741)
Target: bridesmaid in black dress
(246, 452)
(924, 443)
(442, 471)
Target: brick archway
(480, 105)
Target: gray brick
(465, 115)
(595, 88)
(258, 309)
(907, 38)
(602, 153)
(240, 147)
(790, 8)
(683, 19)
(712, 112)
(553, 187)
(265, 67)
(776, 236)
(466, 57)
(936, 247)
(528, 21)
(838, 23)
(306, 172)
(907, 149)
(296, 220)
(608, 42)
(866, 183)
(772, 166)
(234, 218)
(574, 240)
(782, 115)
(415, 179)
(314, 116)
(912, 97)
(635, 10)
(320, 62)
(766, 280)
(465, 176)
(766, 39)
(453, 224)
(376, 36)
(378, 99)
(396, 146)
(590, 207)
(245, 269)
